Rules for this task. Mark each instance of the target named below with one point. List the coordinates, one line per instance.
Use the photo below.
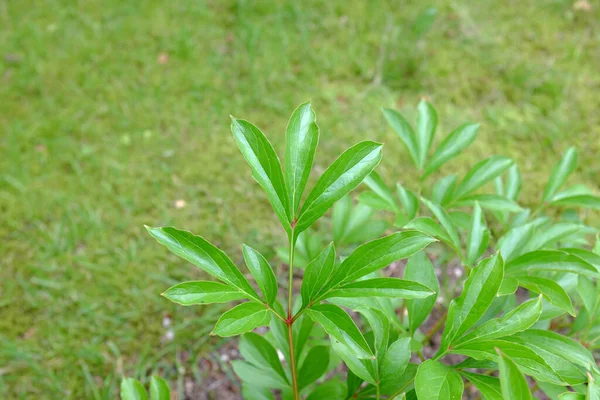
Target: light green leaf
(317, 274)
(420, 269)
(511, 245)
(513, 183)
(301, 138)
(479, 291)
(475, 242)
(560, 173)
(314, 365)
(404, 131)
(517, 320)
(202, 292)
(250, 392)
(589, 296)
(132, 390)
(396, 360)
(258, 351)
(443, 189)
(201, 253)
(265, 165)
(364, 369)
(340, 326)
(593, 392)
(256, 377)
(380, 328)
(382, 287)
(488, 386)
(426, 125)
(490, 202)
(436, 381)
(548, 236)
(409, 201)
(378, 186)
(446, 222)
(430, 227)
(547, 261)
(482, 173)
(380, 253)
(585, 201)
(512, 381)
(159, 389)
(453, 144)
(241, 319)
(550, 290)
(340, 178)
(262, 272)
(302, 329)
(330, 390)
(571, 396)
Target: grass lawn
(112, 111)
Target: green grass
(98, 138)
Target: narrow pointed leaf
(443, 189)
(479, 291)
(317, 274)
(451, 146)
(490, 202)
(259, 352)
(550, 290)
(445, 221)
(547, 261)
(560, 173)
(396, 359)
(513, 183)
(265, 165)
(378, 186)
(340, 326)
(314, 366)
(488, 386)
(380, 328)
(420, 269)
(203, 254)
(202, 292)
(383, 287)
(482, 173)
(159, 389)
(426, 125)
(584, 201)
(132, 390)
(476, 235)
(340, 178)
(436, 381)
(404, 131)
(430, 227)
(331, 390)
(301, 138)
(409, 201)
(262, 272)
(255, 377)
(512, 381)
(241, 319)
(363, 369)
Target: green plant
(486, 330)
(131, 389)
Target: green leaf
(256, 377)
(426, 125)
(571, 396)
(488, 386)
(404, 131)
(258, 351)
(453, 144)
(201, 253)
(475, 242)
(446, 222)
(241, 319)
(549, 260)
(380, 253)
(482, 173)
(436, 381)
(363, 369)
(132, 390)
(443, 189)
(265, 165)
(314, 365)
(513, 183)
(330, 390)
(420, 269)
(479, 291)
(593, 392)
(560, 172)
(409, 201)
(340, 326)
(256, 393)
(382, 287)
(317, 274)
(380, 329)
(512, 381)
(550, 290)
(589, 296)
(396, 360)
(490, 202)
(302, 329)
(430, 227)
(513, 243)
(585, 201)
(202, 292)
(517, 320)
(301, 138)
(378, 186)
(262, 272)
(159, 389)
(340, 178)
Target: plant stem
(290, 319)
(435, 328)
(378, 393)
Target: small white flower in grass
(180, 203)
(169, 335)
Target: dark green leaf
(262, 272)
(404, 131)
(340, 326)
(512, 381)
(159, 389)
(382, 287)
(132, 390)
(265, 165)
(482, 173)
(488, 386)
(301, 138)
(317, 274)
(201, 253)
(479, 291)
(380, 328)
(314, 365)
(560, 172)
(436, 381)
(331, 390)
(202, 292)
(420, 269)
(259, 352)
(396, 359)
(453, 144)
(302, 329)
(547, 261)
(550, 290)
(409, 201)
(426, 125)
(340, 178)
(241, 319)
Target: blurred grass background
(115, 114)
